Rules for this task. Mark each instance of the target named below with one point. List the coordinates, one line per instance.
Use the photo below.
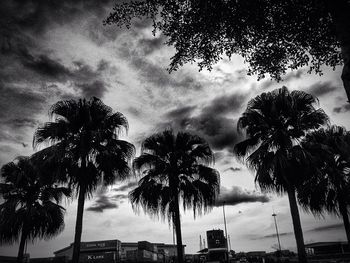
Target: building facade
(113, 251)
(94, 251)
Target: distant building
(142, 251)
(256, 254)
(113, 251)
(216, 239)
(324, 248)
(217, 246)
(94, 251)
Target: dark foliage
(85, 149)
(271, 36)
(174, 170)
(274, 123)
(31, 207)
(327, 189)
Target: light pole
(278, 237)
(223, 210)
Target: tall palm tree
(31, 207)
(85, 150)
(175, 170)
(328, 189)
(274, 123)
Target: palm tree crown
(328, 187)
(85, 149)
(174, 170)
(31, 207)
(84, 140)
(274, 123)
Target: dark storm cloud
(315, 229)
(220, 132)
(96, 88)
(18, 110)
(343, 108)
(45, 66)
(102, 203)
(38, 15)
(158, 75)
(233, 169)
(280, 234)
(237, 195)
(126, 186)
(119, 197)
(135, 111)
(225, 104)
(327, 227)
(275, 235)
(321, 88)
(155, 72)
(212, 122)
(149, 45)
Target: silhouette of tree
(31, 207)
(328, 187)
(274, 123)
(174, 170)
(271, 36)
(85, 150)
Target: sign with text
(98, 258)
(101, 245)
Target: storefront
(94, 251)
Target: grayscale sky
(54, 50)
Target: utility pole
(229, 241)
(200, 243)
(223, 209)
(278, 237)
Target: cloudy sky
(54, 50)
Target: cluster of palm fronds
(292, 153)
(285, 145)
(84, 151)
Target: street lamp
(278, 237)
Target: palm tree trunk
(340, 10)
(78, 225)
(344, 212)
(21, 246)
(298, 232)
(178, 230)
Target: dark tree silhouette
(328, 189)
(85, 150)
(30, 209)
(271, 36)
(175, 171)
(274, 123)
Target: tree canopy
(86, 150)
(327, 188)
(274, 123)
(271, 36)
(175, 170)
(31, 207)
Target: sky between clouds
(54, 50)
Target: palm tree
(174, 170)
(275, 122)
(85, 150)
(328, 189)
(31, 207)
